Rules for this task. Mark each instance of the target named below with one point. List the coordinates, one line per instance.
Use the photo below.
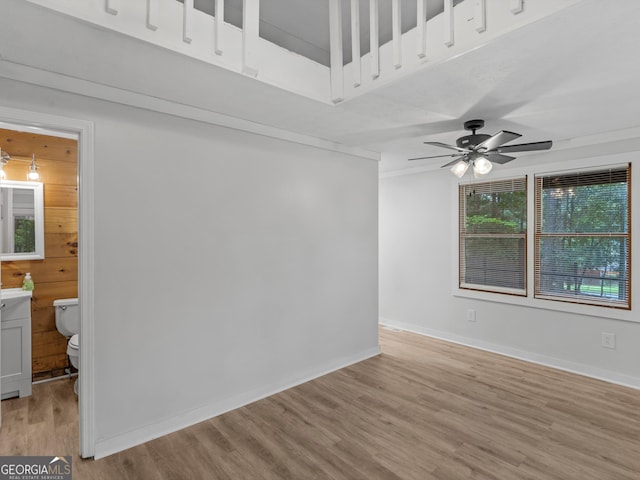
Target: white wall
(418, 251)
(228, 265)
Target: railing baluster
(250, 35)
(374, 40)
(219, 21)
(355, 43)
(516, 6)
(448, 22)
(480, 16)
(421, 28)
(187, 21)
(335, 47)
(111, 6)
(152, 14)
(396, 29)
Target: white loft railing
(399, 42)
(182, 28)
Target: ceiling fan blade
(446, 145)
(496, 140)
(525, 147)
(453, 162)
(498, 158)
(439, 156)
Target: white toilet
(68, 324)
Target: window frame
(565, 163)
(539, 235)
(463, 235)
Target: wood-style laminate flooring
(425, 409)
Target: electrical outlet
(471, 315)
(608, 340)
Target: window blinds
(582, 237)
(493, 238)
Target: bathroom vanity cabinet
(15, 342)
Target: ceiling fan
(482, 150)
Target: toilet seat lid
(65, 302)
(74, 342)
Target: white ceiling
(567, 76)
(571, 75)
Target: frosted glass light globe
(460, 168)
(482, 166)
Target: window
(493, 236)
(582, 238)
(25, 234)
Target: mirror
(22, 221)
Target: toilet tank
(67, 316)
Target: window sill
(613, 313)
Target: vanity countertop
(7, 293)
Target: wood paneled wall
(57, 275)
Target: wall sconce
(4, 159)
(32, 174)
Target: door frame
(85, 131)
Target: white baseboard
(109, 446)
(547, 361)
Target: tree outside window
(493, 236)
(582, 237)
(24, 235)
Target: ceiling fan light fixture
(460, 168)
(476, 149)
(481, 166)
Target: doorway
(67, 252)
